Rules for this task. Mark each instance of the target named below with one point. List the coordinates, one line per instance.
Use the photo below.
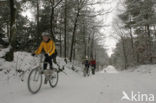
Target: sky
(109, 42)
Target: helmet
(86, 57)
(45, 34)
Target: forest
(76, 29)
(135, 28)
(72, 24)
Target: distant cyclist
(86, 69)
(50, 53)
(93, 65)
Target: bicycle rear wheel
(85, 72)
(88, 71)
(53, 81)
(34, 81)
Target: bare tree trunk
(73, 35)
(65, 29)
(149, 43)
(52, 20)
(84, 41)
(74, 54)
(53, 6)
(95, 55)
(124, 53)
(38, 27)
(154, 30)
(60, 44)
(132, 40)
(8, 31)
(85, 49)
(88, 46)
(12, 40)
(132, 43)
(92, 47)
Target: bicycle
(35, 78)
(93, 70)
(86, 71)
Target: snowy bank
(109, 69)
(23, 63)
(145, 69)
(4, 51)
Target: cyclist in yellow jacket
(48, 46)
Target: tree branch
(57, 3)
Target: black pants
(87, 68)
(93, 68)
(48, 59)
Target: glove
(33, 54)
(46, 55)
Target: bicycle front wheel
(53, 81)
(34, 81)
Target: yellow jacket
(49, 47)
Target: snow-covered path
(101, 88)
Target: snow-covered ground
(109, 69)
(104, 87)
